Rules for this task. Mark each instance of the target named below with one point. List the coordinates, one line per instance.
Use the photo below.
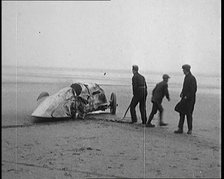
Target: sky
(156, 35)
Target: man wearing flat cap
(188, 96)
(158, 93)
(139, 88)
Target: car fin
(43, 94)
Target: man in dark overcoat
(158, 93)
(139, 89)
(188, 96)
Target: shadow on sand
(90, 116)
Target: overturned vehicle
(74, 101)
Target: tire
(113, 103)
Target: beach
(103, 146)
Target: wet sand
(100, 146)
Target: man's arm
(192, 88)
(134, 84)
(167, 92)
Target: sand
(97, 147)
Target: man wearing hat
(139, 88)
(188, 95)
(158, 93)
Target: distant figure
(104, 73)
(158, 93)
(139, 88)
(188, 96)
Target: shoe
(189, 132)
(150, 125)
(163, 124)
(178, 131)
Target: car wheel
(113, 103)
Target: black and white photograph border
(118, 52)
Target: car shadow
(41, 120)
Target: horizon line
(112, 69)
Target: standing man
(188, 95)
(139, 88)
(158, 93)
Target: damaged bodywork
(74, 101)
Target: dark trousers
(156, 107)
(141, 99)
(189, 118)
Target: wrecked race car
(74, 101)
